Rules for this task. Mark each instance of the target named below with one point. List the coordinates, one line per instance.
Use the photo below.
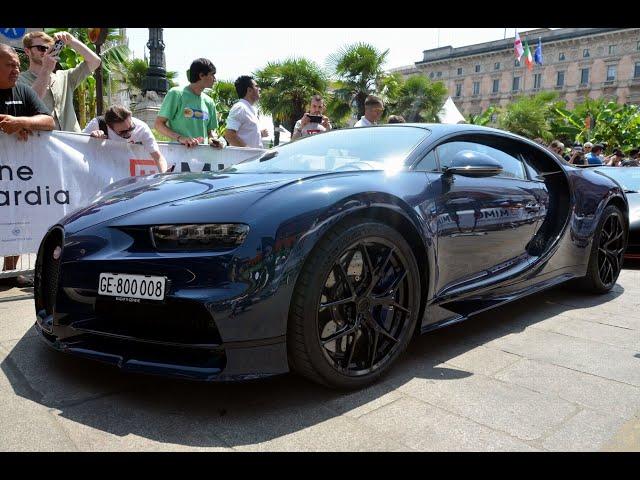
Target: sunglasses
(41, 48)
(127, 132)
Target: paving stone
(16, 320)
(595, 331)
(506, 407)
(428, 428)
(597, 393)
(483, 360)
(587, 431)
(29, 427)
(606, 361)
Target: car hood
(130, 201)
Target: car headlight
(214, 236)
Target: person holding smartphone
(312, 122)
(56, 88)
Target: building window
(584, 76)
(517, 63)
(611, 73)
(476, 88)
(537, 80)
(458, 89)
(612, 49)
(516, 84)
(638, 45)
(560, 79)
(496, 86)
(496, 66)
(585, 53)
(439, 74)
(459, 71)
(636, 71)
(561, 56)
(431, 75)
(477, 68)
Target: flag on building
(517, 46)
(537, 55)
(528, 60)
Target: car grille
(47, 271)
(175, 322)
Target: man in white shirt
(242, 122)
(118, 124)
(373, 108)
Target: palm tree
(483, 118)
(419, 99)
(224, 95)
(530, 116)
(131, 74)
(359, 70)
(287, 86)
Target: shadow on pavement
(237, 414)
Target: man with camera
(118, 124)
(312, 122)
(56, 89)
(243, 128)
(187, 114)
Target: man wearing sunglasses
(56, 89)
(118, 124)
(373, 108)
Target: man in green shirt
(56, 89)
(187, 114)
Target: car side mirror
(473, 164)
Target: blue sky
(237, 51)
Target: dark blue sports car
(324, 256)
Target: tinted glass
(428, 163)
(627, 177)
(377, 148)
(513, 167)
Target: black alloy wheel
(607, 253)
(360, 290)
(611, 249)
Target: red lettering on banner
(139, 167)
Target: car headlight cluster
(214, 236)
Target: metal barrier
(26, 265)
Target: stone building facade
(577, 63)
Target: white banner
(54, 173)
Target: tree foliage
(418, 99)
(287, 86)
(529, 115)
(359, 71)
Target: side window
(428, 163)
(512, 166)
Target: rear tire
(355, 305)
(607, 252)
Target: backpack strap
(102, 125)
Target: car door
(484, 224)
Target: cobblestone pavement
(557, 371)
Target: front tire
(607, 252)
(355, 305)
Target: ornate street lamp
(156, 78)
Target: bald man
(21, 112)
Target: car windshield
(627, 177)
(375, 148)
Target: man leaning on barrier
(21, 112)
(118, 124)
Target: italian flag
(528, 59)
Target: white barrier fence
(54, 173)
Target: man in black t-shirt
(21, 112)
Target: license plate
(144, 287)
